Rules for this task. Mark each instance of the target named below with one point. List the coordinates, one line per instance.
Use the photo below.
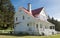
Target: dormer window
(23, 17)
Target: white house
(33, 21)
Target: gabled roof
(26, 11)
(34, 12)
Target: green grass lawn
(10, 36)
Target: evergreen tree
(55, 22)
(6, 14)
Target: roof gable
(26, 11)
(36, 11)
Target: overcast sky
(52, 7)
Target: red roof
(26, 11)
(36, 11)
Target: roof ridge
(38, 8)
(34, 12)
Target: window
(27, 24)
(52, 27)
(23, 18)
(16, 18)
(36, 25)
(29, 29)
(40, 25)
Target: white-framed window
(23, 17)
(28, 25)
(52, 27)
(36, 25)
(29, 28)
(40, 25)
(16, 18)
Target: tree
(6, 13)
(55, 22)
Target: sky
(52, 7)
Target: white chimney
(29, 7)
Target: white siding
(21, 24)
(42, 15)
